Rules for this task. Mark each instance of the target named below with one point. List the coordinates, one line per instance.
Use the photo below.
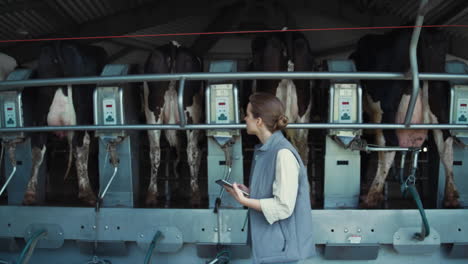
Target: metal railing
(112, 80)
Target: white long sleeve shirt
(285, 187)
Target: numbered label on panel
(462, 111)
(109, 112)
(345, 109)
(222, 110)
(10, 114)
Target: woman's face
(251, 121)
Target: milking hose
(30, 245)
(425, 230)
(221, 257)
(149, 253)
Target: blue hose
(30, 245)
(408, 187)
(149, 253)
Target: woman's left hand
(236, 193)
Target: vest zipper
(284, 237)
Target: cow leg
(194, 158)
(300, 141)
(445, 150)
(85, 192)
(375, 196)
(385, 159)
(154, 137)
(37, 159)
(193, 114)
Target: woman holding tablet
(280, 226)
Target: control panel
(345, 103)
(459, 108)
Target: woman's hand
(237, 193)
(243, 187)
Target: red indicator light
(345, 103)
(108, 105)
(463, 105)
(9, 108)
(221, 103)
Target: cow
(161, 107)
(7, 65)
(280, 53)
(386, 101)
(63, 106)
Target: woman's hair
(270, 109)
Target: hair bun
(282, 122)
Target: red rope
(230, 32)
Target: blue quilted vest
(288, 239)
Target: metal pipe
(359, 99)
(232, 126)
(414, 61)
(331, 103)
(101, 197)
(236, 103)
(105, 80)
(208, 105)
(387, 149)
(8, 180)
(180, 99)
(452, 96)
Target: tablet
(228, 184)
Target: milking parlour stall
(119, 119)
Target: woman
(280, 226)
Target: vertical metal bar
(208, 104)
(121, 105)
(415, 159)
(95, 106)
(452, 96)
(359, 99)
(236, 103)
(19, 110)
(331, 103)
(414, 61)
(183, 122)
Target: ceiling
(33, 19)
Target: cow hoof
(29, 198)
(152, 200)
(372, 201)
(452, 203)
(195, 200)
(88, 197)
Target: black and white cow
(288, 52)
(7, 65)
(62, 106)
(161, 107)
(281, 53)
(387, 101)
